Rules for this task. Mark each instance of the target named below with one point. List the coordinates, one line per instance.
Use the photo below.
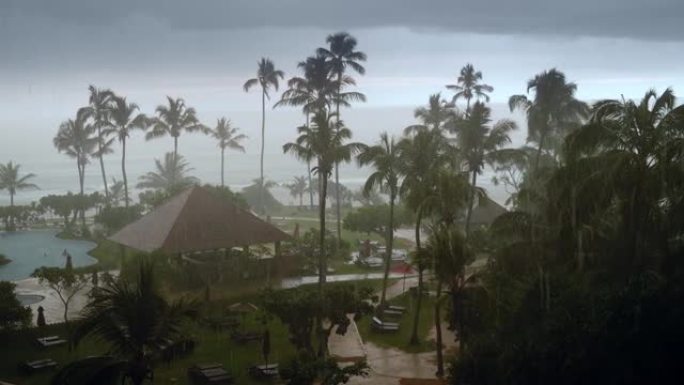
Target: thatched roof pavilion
(197, 220)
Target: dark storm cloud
(640, 19)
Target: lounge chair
(263, 371)
(381, 326)
(244, 337)
(396, 308)
(209, 373)
(38, 365)
(46, 342)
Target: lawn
(401, 338)
(212, 346)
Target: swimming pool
(29, 250)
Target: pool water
(29, 250)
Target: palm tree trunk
(388, 256)
(438, 327)
(308, 167)
(471, 201)
(175, 147)
(416, 318)
(11, 214)
(102, 167)
(222, 172)
(322, 259)
(261, 167)
(81, 177)
(540, 147)
(337, 169)
(123, 169)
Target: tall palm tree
(99, 105)
(385, 159)
(468, 87)
(481, 143)
(312, 92)
(124, 119)
(173, 119)
(170, 176)
(267, 77)
(327, 140)
(341, 55)
(228, 137)
(552, 112)
(422, 155)
(135, 320)
(297, 189)
(11, 181)
(75, 139)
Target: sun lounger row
(212, 373)
(381, 326)
(47, 342)
(38, 365)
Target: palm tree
(116, 192)
(227, 137)
(172, 120)
(422, 155)
(135, 320)
(468, 87)
(12, 182)
(171, 176)
(341, 55)
(633, 150)
(327, 141)
(433, 117)
(297, 189)
(267, 76)
(312, 92)
(124, 119)
(553, 111)
(74, 138)
(481, 144)
(386, 161)
(450, 258)
(99, 109)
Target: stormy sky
(203, 51)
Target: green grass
(401, 338)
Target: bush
(12, 314)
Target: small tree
(12, 314)
(65, 283)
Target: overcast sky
(203, 51)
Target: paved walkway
(389, 365)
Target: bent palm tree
(266, 77)
(98, 109)
(468, 87)
(172, 120)
(227, 137)
(553, 111)
(341, 55)
(433, 117)
(124, 119)
(74, 138)
(135, 320)
(386, 162)
(12, 182)
(171, 176)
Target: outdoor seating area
(46, 342)
(209, 373)
(38, 365)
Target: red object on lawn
(403, 268)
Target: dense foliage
(12, 314)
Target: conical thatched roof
(196, 220)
